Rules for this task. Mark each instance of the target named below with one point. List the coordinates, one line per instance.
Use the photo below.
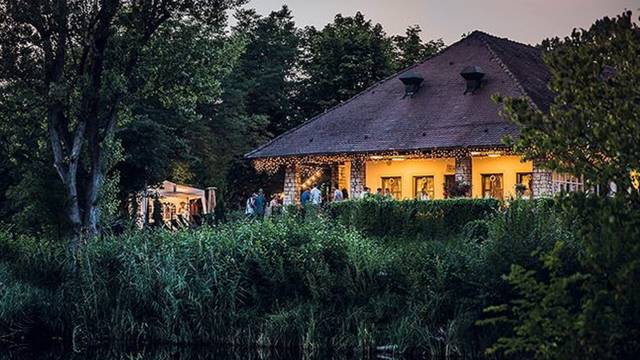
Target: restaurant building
(429, 128)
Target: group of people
(387, 194)
(313, 196)
(257, 205)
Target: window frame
(482, 179)
(519, 176)
(431, 193)
(399, 179)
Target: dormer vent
(473, 75)
(412, 82)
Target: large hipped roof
(439, 116)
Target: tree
(166, 132)
(267, 69)
(341, 60)
(258, 99)
(591, 129)
(410, 50)
(78, 58)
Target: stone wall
(542, 181)
(358, 177)
(292, 183)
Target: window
(423, 185)
(566, 183)
(492, 186)
(526, 179)
(394, 184)
(449, 184)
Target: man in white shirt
(337, 194)
(316, 195)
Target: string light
(309, 164)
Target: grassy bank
(308, 284)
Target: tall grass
(309, 285)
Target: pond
(171, 353)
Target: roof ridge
(505, 67)
(371, 87)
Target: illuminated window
(492, 186)
(566, 183)
(394, 184)
(423, 187)
(526, 179)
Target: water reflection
(169, 353)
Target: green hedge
(411, 218)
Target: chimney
(412, 82)
(473, 75)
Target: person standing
(337, 194)
(251, 205)
(387, 194)
(366, 193)
(345, 194)
(260, 204)
(379, 194)
(273, 207)
(316, 196)
(305, 197)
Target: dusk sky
(527, 21)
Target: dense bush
(585, 302)
(308, 284)
(411, 218)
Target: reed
(307, 284)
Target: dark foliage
(411, 218)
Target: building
(181, 205)
(430, 128)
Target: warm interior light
(376, 157)
(494, 155)
(397, 159)
(476, 153)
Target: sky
(527, 21)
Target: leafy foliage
(343, 59)
(592, 126)
(411, 218)
(583, 303)
(411, 50)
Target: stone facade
(542, 181)
(463, 171)
(292, 181)
(358, 176)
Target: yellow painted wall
(408, 169)
(508, 166)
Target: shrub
(411, 218)
(582, 303)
